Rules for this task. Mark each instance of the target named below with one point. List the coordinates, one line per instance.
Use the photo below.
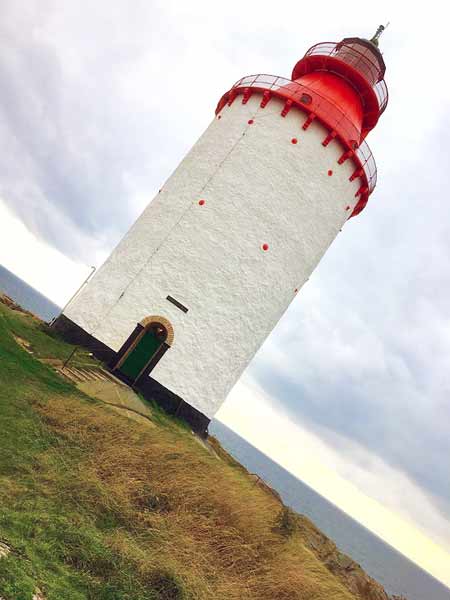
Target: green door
(139, 357)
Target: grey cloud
(75, 153)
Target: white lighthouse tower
(188, 296)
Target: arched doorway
(145, 347)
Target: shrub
(165, 584)
(285, 522)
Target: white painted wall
(259, 188)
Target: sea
(26, 296)
(397, 574)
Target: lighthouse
(188, 296)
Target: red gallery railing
(301, 96)
(360, 60)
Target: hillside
(94, 505)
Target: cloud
(77, 153)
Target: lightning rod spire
(379, 31)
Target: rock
(9, 302)
(23, 344)
(349, 573)
(4, 550)
(265, 486)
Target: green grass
(96, 506)
(44, 346)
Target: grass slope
(95, 506)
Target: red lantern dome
(341, 84)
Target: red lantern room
(342, 86)
(350, 75)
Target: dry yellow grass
(182, 510)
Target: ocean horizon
(395, 572)
(25, 295)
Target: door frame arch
(133, 339)
(147, 321)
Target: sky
(100, 102)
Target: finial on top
(378, 33)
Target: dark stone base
(173, 404)
(74, 334)
(148, 387)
